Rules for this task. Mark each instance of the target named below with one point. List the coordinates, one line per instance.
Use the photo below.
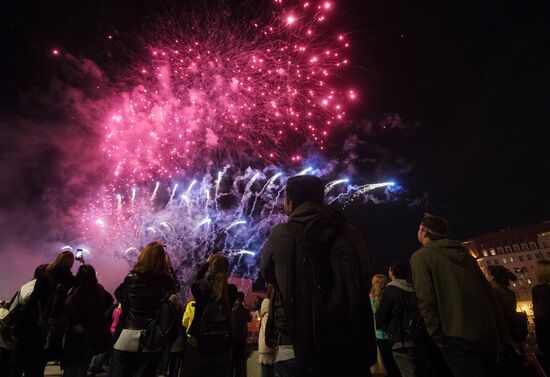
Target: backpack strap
(16, 295)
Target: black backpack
(519, 328)
(329, 317)
(213, 328)
(411, 324)
(162, 330)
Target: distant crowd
(439, 314)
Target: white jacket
(266, 354)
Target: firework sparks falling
(256, 89)
(236, 213)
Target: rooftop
(530, 231)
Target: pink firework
(259, 88)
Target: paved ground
(253, 368)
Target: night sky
(468, 83)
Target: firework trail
(229, 216)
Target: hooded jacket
(278, 266)
(390, 314)
(278, 258)
(454, 298)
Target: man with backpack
(398, 315)
(320, 317)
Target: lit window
(511, 259)
(485, 253)
(504, 260)
(493, 252)
(514, 284)
(529, 282)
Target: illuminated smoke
(228, 211)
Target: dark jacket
(240, 316)
(278, 266)
(541, 309)
(395, 300)
(140, 296)
(201, 289)
(40, 303)
(454, 298)
(278, 260)
(508, 302)
(88, 307)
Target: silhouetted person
(208, 352)
(39, 330)
(266, 352)
(87, 326)
(240, 317)
(11, 315)
(541, 309)
(500, 278)
(379, 283)
(398, 315)
(459, 307)
(151, 278)
(314, 256)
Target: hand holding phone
(79, 255)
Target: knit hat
(305, 188)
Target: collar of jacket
(402, 284)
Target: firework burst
(218, 88)
(251, 86)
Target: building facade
(517, 249)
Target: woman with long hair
(140, 294)
(541, 309)
(39, 329)
(88, 327)
(379, 282)
(209, 343)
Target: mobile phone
(78, 253)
